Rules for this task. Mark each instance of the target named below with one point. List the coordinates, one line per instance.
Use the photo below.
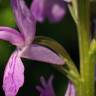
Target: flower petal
(70, 90)
(57, 13)
(12, 36)
(56, 10)
(41, 53)
(47, 88)
(37, 9)
(25, 20)
(53, 9)
(13, 75)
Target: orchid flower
(23, 40)
(46, 88)
(53, 9)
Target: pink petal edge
(43, 54)
(11, 35)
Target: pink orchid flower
(53, 9)
(46, 88)
(23, 40)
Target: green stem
(86, 86)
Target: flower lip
(13, 75)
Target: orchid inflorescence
(26, 20)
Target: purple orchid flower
(53, 9)
(14, 71)
(46, 88)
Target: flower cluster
(23, 40)
(26, 20)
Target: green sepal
(92, 50)
(73, 10)
(71, 70)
